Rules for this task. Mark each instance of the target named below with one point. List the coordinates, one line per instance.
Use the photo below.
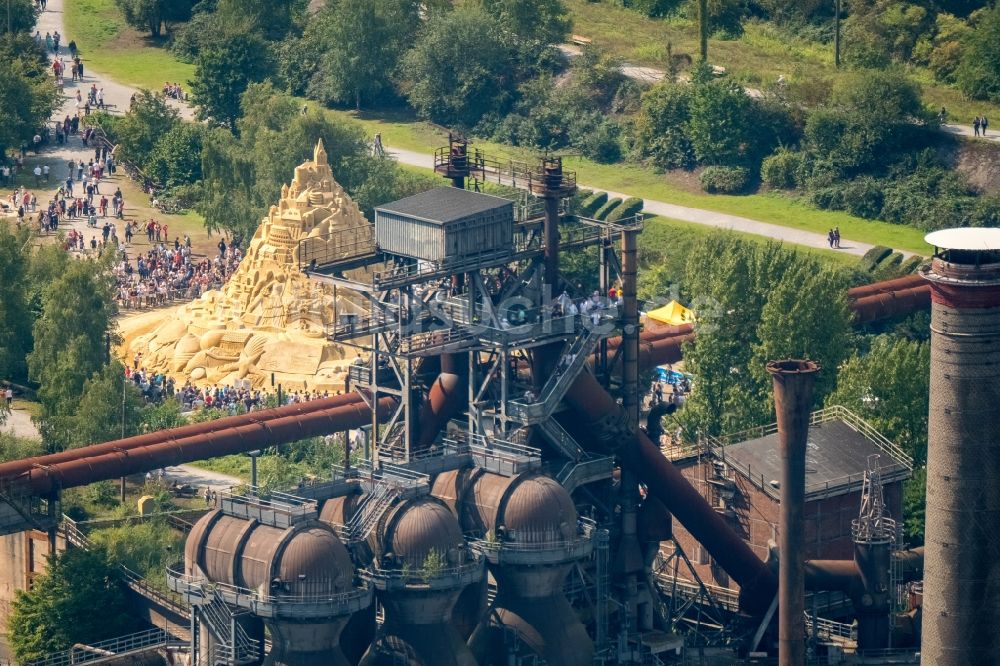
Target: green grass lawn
(110, 47)
(403, 131)
(664, 231)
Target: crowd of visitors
(169, 271)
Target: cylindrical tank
(293, 572)
(531, 540)
(961, 598)
(421, 566)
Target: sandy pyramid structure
(269, 317)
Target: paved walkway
(200, 478)
(19, 424)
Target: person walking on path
(975, 126)
(984, 123)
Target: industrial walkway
(118, 95)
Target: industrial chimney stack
(962, 556)
(793, 388)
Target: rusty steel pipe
(793, 390)
(897, 284)
(235, 439)
(891, 304)
(16, 467)
(610, 431)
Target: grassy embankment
(756, 59)
(109, 46)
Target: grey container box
(446, 225)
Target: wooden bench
(580, 40)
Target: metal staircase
(576, 473)
(233, 646)
(561, 439)
(552, 392)
(370, 510)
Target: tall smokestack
(793, 388)
(962, 545)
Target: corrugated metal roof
(444, 204)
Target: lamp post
(253, 469)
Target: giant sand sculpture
(269, 318)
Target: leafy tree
(660, 126)
(27, 96)
(978, 73)
(150, 15)
(147, 548)
(884, 31)
(146, 124)
(460, 69)
(271, 18)
(867, 122)
(359, 44)
(889, 387)
(748, 297)
(71, 344)
(15, 317)
(79, 599)
(242, 178)
(540, 21)
(16, 448)
(223, 73)
(720, 123)
(176, 157)
(107, 399)
(22, 15)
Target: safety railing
(528, 548)
(827, 630)
(336, 246)
(429, 576)
(579, 472)
(317, 603)
(112, 648)
(268, 508)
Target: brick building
(738, 474)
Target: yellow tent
(672, 313)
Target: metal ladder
(234, 646)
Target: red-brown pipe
(905, 282)
(16, 467)
(891, 304)
(235, 439)
(610, 429)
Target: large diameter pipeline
(793, 389)
(666, 483)
(905, 282)
(236, 439)
(16, 467)
(889, 304)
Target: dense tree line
(27, 93)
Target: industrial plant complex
(508, 495)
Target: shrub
(780, 169)
(629, 208)
(910, 265)
(598, 142)
(605, 210)
(863, 197)
(593, 203)
(872, 258)
(724, 180)
(889, 267)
